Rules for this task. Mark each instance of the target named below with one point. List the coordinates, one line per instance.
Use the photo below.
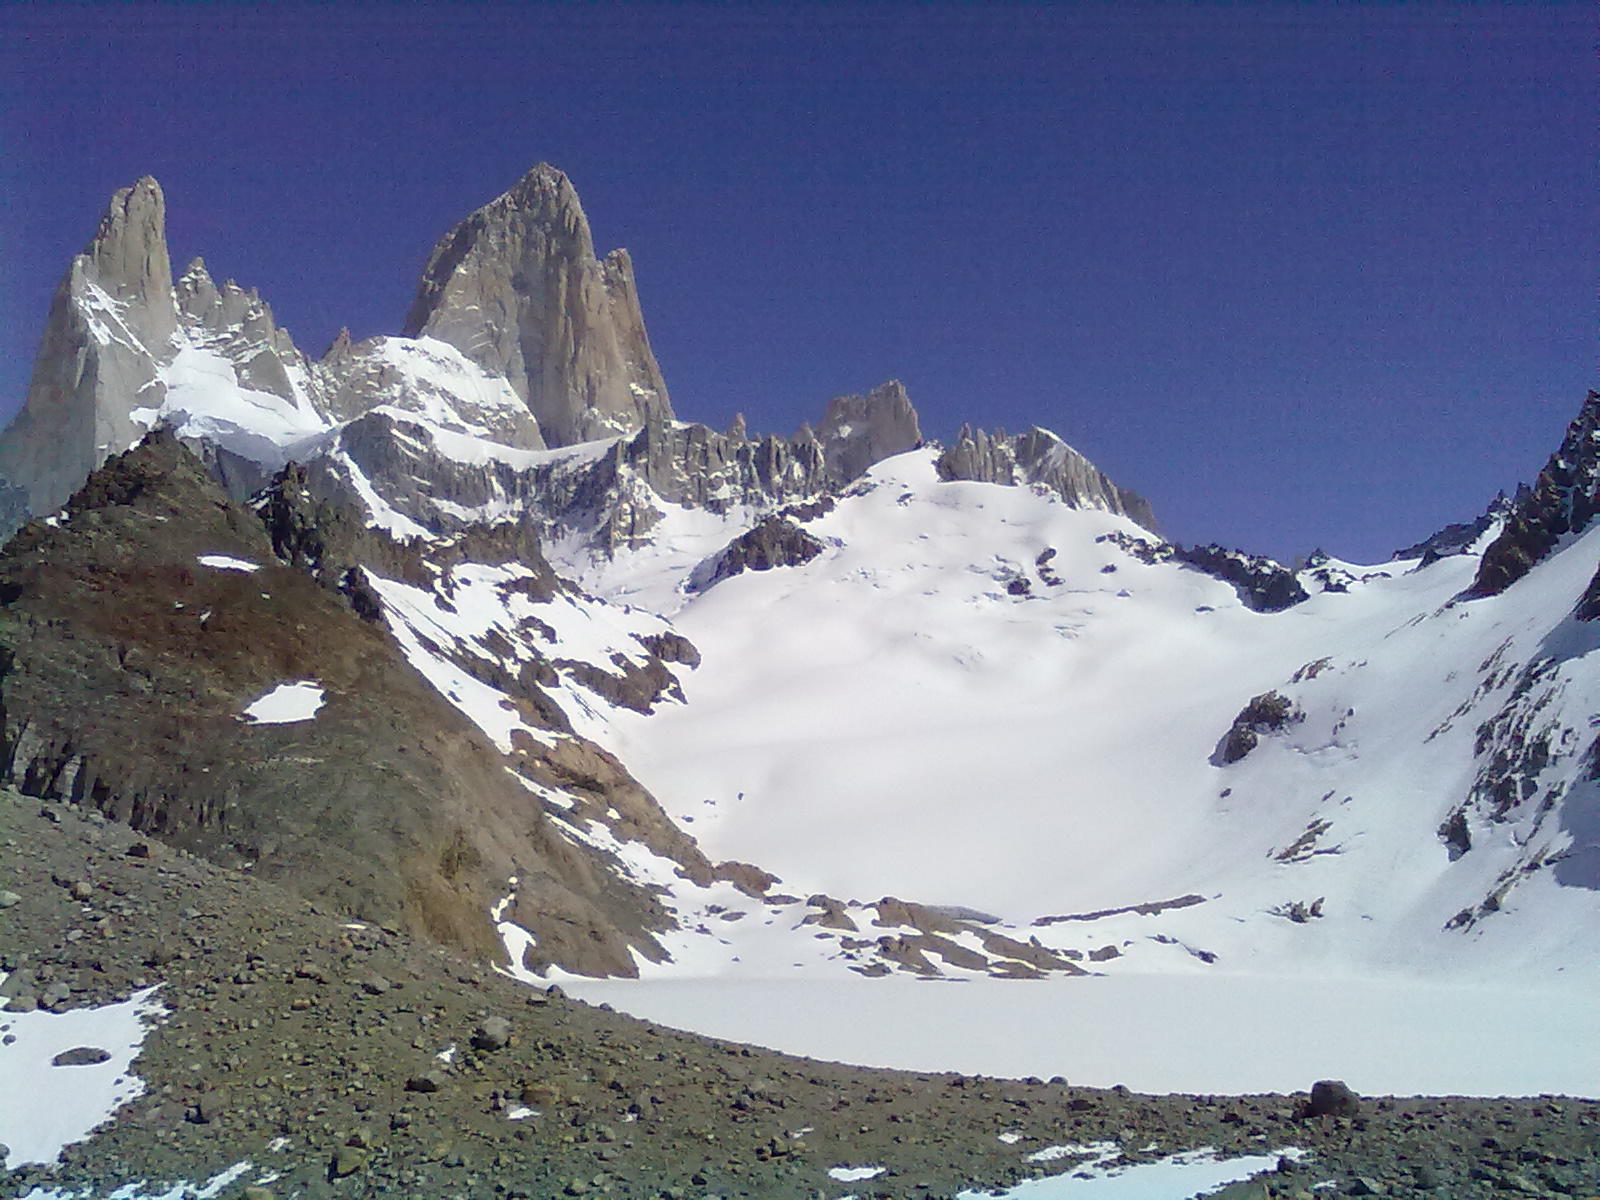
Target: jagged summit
(95, 362)
(516, 287)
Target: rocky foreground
(311, 1049)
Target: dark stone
(773, 542)
(1269, 712)
(1331, 1098)
(493, 1034)
(81, 1056)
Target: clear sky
(1303, 276)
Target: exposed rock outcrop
(517, 288)
(109, 322)
(1459, 538)
(1263, 584)
(1270, 712)
(1040, 457)
(773, 542)
(1562, 501)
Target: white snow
(204, 399)
(1205, 1032)
(1174, 1176)
(226, 562)
(889, 720)
(44, 1108)
(854, 1174)
(211, 1188)
(288, 702)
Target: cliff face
(516, 287)
(1563, 501)
(109, 323)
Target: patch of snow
(855, 1174)
(209, 1190)
(1176, 1175)
(225, 562)
(44, 1108)
(286, 703)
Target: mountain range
(463, 632)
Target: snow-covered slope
(940, 708)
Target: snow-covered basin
(1203, 1033)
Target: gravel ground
(311, 1050)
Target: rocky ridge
(1561, 503)
(520, 338)
(389, 804)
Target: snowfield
(900, 718)
(1205, 1033)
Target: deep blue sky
(1303, 276)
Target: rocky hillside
(138, 628)
(316, 1057)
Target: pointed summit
(109, 324)
(517, 288)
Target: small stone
(7, 899)
(140, 850)
(83, 890)
(493, 1034)
(1425, 1178)
(255, 1191)
(22, 1002)
(1365, 1186)
(428, 1082)
(81, 1056)
(347, 1160)
(55, 996)
(375, 985)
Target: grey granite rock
(517, 288)
(858, 431)
(1040, 457)
(109, 323)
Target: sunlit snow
(286, 703)
(226, 562)
(1174, 1176)
(44, 1108)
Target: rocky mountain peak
(110, 320)
(128, 257)
(858, 431)
(516, 287)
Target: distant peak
(542, 186)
